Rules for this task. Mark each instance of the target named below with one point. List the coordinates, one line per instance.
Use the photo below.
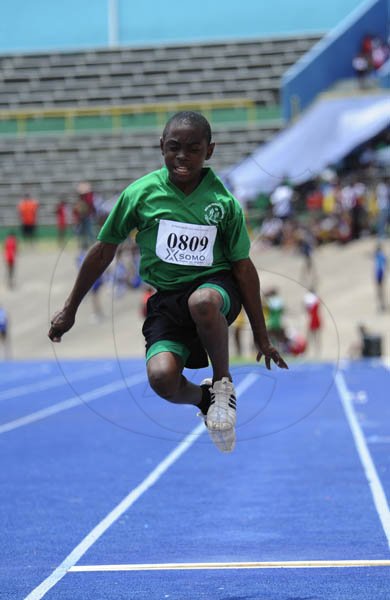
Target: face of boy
(185, 150)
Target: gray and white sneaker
(221, 416)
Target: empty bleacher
(50, 165)
(250, 69)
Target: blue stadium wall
(34, 25)
(331, 59)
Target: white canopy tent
(326, 133)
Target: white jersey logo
(185, 243)
(214, 213)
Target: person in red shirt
(148, 291)
(312, 305)
(10, 253)
(62, 221)
(28, 214)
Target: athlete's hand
(270, 353)
(62, 321)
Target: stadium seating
(155, 74)
(50, 165)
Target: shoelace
(218, 399)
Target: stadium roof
(325, 134)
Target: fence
(15, 122)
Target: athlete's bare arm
(95, 263)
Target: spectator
(84, 213)
(10, 253)
(238, 328)
(361, 66)
(314, 200)
(306, 244)
(379, 53)
(347, 196)
(366, 45)
(358, 215)
(4, 337)
(61, 220)
(148, 291)
(343, 230)
(271, 231)
(296, 342)
(312, 304)
(380, 263)
(274, 317)
(373, 54)
(383, 205)
(281, 200)
(352, 202)
(28, 214)
(331, 196)
(369, 345)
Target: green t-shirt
(181, 238)
(275, 313)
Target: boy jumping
(195, 252)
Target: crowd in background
(372, 55)
(338, 206)
(78, 216)
(329, 209)
(343, 204)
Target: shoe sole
(220, 442)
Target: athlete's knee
(165, 384)
(204, 304)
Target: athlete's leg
(10, 273)
(166, 379)
(205, 307)
(381, 295)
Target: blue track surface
(77, 437)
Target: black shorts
(28, 230)
(169, 326)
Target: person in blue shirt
(380, 262)
(4, 330)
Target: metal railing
(71, 119)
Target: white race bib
(185, 243)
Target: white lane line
(121, 508)
(71, 403)
(290, 564)
(58, 380)
(370, 471)
(115, 514)
(22, 372)
(247, 382)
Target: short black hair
(189, 117)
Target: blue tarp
(327, 132)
